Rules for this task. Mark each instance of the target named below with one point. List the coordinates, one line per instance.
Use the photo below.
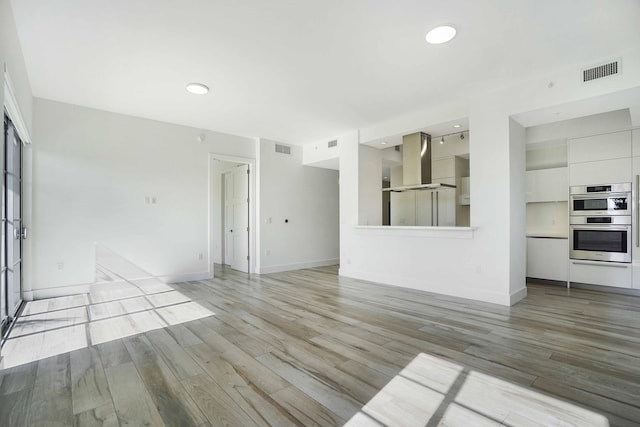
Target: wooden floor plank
(14, 408)
(309, 347)
(51, 398)
(88, 381)
(245, 393)
(214, 402)
(169, 396)
(130, 397)
(104, 416)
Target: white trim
(298, 266)
(13, 109)
(188, 277)
(84, 288)
(55, 292)
(253, 207)
(518, 295)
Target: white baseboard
(83, 288)
(59, 291)
(422, 285)
(297, 266)
(518, 295)
(176, 278)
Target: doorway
(236, 218)
(13, 231)
(232, 206)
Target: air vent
(600, 71)
(397, 148)
(333, 143)
(284, 149)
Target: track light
(442, 140)
(462, 135)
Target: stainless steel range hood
(416, 165)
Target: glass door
(12, 230)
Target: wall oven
(600, 238)
(596, 200)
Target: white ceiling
(300, 71)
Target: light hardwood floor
(310, 348)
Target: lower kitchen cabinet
(547, 258)
(636, 275)
(601, 273)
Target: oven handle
(599, 263)
(600, 196)
(605, 227)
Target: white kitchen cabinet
(636, 275)
(600, 147)
(601, 273)
(635, 212)
(547, 185)
(635, 142)
(547, 258)
(600, 172)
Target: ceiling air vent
(397, 148)
(600, 71)
(333, 143)
(284, 149)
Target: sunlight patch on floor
(117, 307)
(431, 389)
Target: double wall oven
(600, 222)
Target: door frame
(11, 107)
(216, 194)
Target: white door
(12, 230)
(236, 208)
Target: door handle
(25, 233)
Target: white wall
(370, 181)
(305, 196)
(321, 155)
(92, 171)
(11, 58)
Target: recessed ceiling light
(385, 177)
(457, 126)
(384, 143)
(197, 88)
(441, 34)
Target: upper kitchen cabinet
(547, 185)
(608, 146)
(549, 154)
(600, 159)
(546, 176)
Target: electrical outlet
(60, 266)
(200, 256)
